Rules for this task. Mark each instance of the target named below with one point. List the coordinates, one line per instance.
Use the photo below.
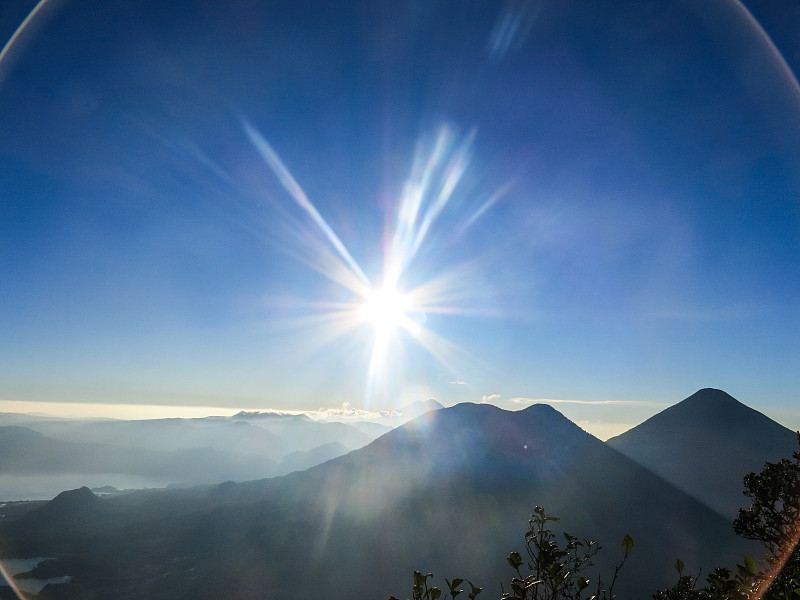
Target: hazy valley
(448, 492)
(40, 457)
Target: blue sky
(608, 203)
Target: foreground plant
(773, 518)
(556, 570)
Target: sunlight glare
(438, 167)
(385, 308)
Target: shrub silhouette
(553, 570)
(773, 518)
(556, 570)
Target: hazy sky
(590, 202)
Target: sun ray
(491, 201)
(434, 177)
(299, 196)
(396, 316)
(449, 180)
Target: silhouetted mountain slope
(705, 445)
(453, 491)
(450, 492)
(73, 507)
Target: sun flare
(392, 312)
(385, 309)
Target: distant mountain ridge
(450, 492)
(29, 452)
(166, 434)
(706, 444)
(301, 433)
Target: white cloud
(341, 413)
(89, 410)
(345, 412)
(457, 382)
(272, 411)
(490, 398)
(95, 410)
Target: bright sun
(390, 311)
(385, 309)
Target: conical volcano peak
(705, 445)
(711, 403)
(713, 398)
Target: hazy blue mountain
(299, 432)
(268, 436)
(160, 452)
(23, 418)
(449, 492)
(370, 429)
(301, 460)
(705, 445)
(237, 437)
(24, 451)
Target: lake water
(15, 487)
(13, 566)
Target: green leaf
(750, 565)
(627, 544)
(435, 593)
(454, 584)
(515, 560)
(679, 566)
(475, 590)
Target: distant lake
(47, 486)
(13, 566)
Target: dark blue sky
(623, 221)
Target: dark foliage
(773, 518)
(555, 571)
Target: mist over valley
(449, 492)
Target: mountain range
(449, 492)
(170, 451)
